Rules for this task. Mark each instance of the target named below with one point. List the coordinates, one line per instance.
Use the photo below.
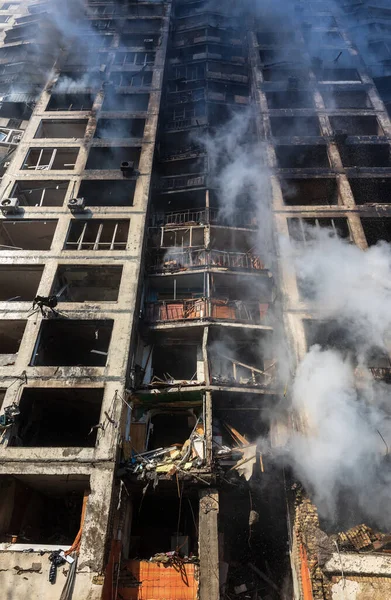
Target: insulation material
(158, 581)
(246, 464)
(138, 436)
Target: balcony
(204, 216)
(178, 183)
(206, 309)
(183, 259)
(174, 124)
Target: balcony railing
(186, 181)
(177, 124)
(174, 260)
(228, 370)
(204, 308)
(204, 216)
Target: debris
(360, 536)
(239, 589)
(48, 301)
(178, 457)
(8, 418)
(253, 517)
(265, 578)
(57, 560)
(242, 457)
(246, 464)
(164, 468)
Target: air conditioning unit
(76, 204)
(9, 206)
(127, 168)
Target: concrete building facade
(162, 163)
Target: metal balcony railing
(176, 260)
(228, 370)
(204, 308)
(205, 216)
(176, 124)
(185, 181)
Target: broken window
(192, 72)
(377, 229)
(302, 157)
(120, 128)
(19, 283)
(345, 99)
(157, 529)
(42, 509)
(330, 334)
(181, 238)
(282, 54)
(11, 333)
(340, 75)
(100, 192)
(294, 126)
(239, 358)
(365, 155)
(360, 125)
(40, 193)
(27, 235)
(111, 157)
(131, 79)
(68, 343)
(276, 73)
(266, 38)
(289, 99)
(75, 101)
(15, 110)
(371, 190)
(317, 191)
(305, 230)
(142, 25)
(45, 159)
(153, 9)
(134, 40)
(58, 418)
(175, 361)
(95, 234)
(86, 283)
(134, 58)
(62, 129)
(76, 81)
(125, 102)
(239, 422)
(182, 167)
(257, 512)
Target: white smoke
(238, 171)
(340, 451)
(347, 415)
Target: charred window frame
(128, 79)
(134, 58)
(300, 232)
(40, 193)
(46, 159)
(107, 234)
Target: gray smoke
(346, 411)
(340, 452)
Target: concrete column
(208, 544)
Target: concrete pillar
(208, 545)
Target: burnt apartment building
(158, 163)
